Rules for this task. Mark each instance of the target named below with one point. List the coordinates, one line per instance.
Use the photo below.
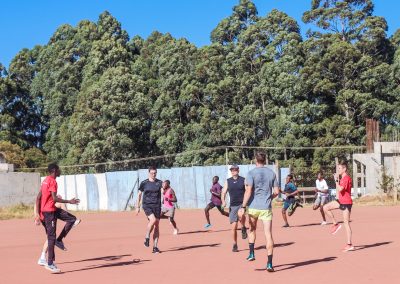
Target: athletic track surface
(108, 248)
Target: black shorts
(212, 205)
(344, 206)
(156, 211)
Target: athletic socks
(251, 247)
(43, 255)
(269, 259)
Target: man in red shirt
(344, 203)
(46, 213)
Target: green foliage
(92, 94)
(13, 154)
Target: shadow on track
(193, 247)
(372, 245)
(115, 264)
(202, 231)
(276, 245)
(306, 225)
(301, 263)
(105, 258)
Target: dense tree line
(93, 94)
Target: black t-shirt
(151, 192)
(236, 190)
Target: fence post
(395, 178)
(277, 170)
(226, 156)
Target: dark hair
(261, 157)
(217, 177)
(320, 173)
(290, 176)
(343, 163)
(152, 168)
(167, 182)
(52, 167)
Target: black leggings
(50, 225)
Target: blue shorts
(288, 202)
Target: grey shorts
(233, 213)
(321, 201)
(169, 212)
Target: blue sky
(26, 23)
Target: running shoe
(286, 226)
(146, 242)
(324, 223)
(42, 262)
(53, 268)
(206, 226)
(60, 245)
(235, 248)
(156, 250)
(251, 257)
(348, 248)
(335, 228)
(270, 268)
(77, 222)
(244, 233)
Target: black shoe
(270, 268)
(60, 245)
(235, 248)
(156, 250)
(146, 242)
(286, 226)
(244, 233)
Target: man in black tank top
(149, 196)
(236, 188)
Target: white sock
(43, 255)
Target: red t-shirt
(345, 194)
(47, 203)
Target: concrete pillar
(395, 178)
(355, 176)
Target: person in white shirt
(322, 192)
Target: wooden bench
(306, 194)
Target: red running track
(108, 248)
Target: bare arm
(37, 208)
(60, 200)
(338, 186)
(294, 193)
(174, 199)
(276, 192)
(247, 195)
(223, 194)
(138, 202)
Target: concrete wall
(16, 188)
(111, 191)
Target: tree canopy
(93, 94)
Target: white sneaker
(42, 262)
(176, 231)
(76, 223)
(324, 223)
(53, 268)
